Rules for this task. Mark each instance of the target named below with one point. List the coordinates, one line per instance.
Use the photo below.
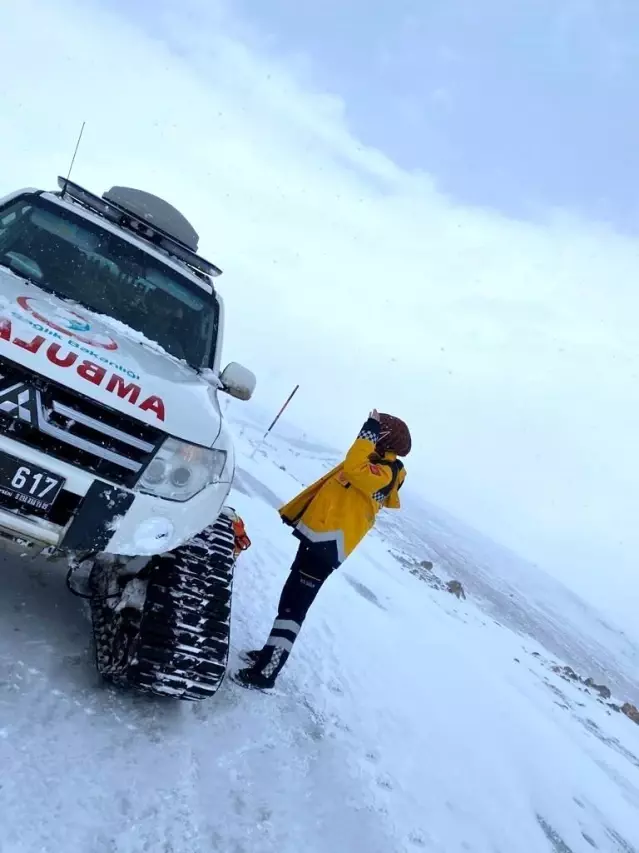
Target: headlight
(179, 470)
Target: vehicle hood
(105, 360)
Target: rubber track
(179, 645)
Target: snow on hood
(105, 360)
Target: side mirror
(238, 381)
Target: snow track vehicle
(114, 454)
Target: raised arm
(358, 469)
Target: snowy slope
(406, 720)
(519, 594)
(512, 590)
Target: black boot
(266, 666)
(251, 657)
(254, 679)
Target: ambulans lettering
(97, 357)
(60, 361)
(155, 405)
(88, 370)
(30, 346)
(91, 372)
(70, 342)
(5, 329)
(117, 385)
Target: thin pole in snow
(275, 420)
(279, 414)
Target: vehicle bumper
(155, 526)
(109, 518)
(16, 526)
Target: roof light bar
(125, 218)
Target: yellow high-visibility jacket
(336, 512)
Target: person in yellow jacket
(330, 518)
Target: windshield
(77, 260)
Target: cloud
(510, 347)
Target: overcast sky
(430, 208)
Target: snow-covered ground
(405, 720)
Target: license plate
(27, 484)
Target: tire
(175, 641)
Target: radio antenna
(77, 145)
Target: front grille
(71, 427)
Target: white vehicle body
(89, 400)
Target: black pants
(308, 572)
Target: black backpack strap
(396, 466)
